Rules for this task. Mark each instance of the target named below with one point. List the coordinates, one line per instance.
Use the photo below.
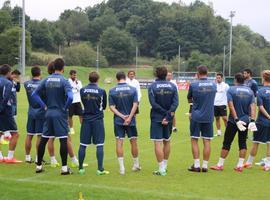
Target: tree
(10, 46)
(167, 43)
(83, 55)
(5, 20)
(118, 46)
(100, 24)
(41, 36)
(74, 24)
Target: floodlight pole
(179, 59)
(224, 61)
(23, 38)
(136, 59)
(232, 14)
(97, 61)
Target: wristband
(236, 120)
(252, 120)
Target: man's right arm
(36, 94)
(261, 107)
(6, 95)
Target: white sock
(250, 159)
(220, 162)
(197, 163)
(205, 164)
(28, 157)
(165, 163)
(219, 132)
(1, 155)
(10, 154)
(36, 159)
(2, 137)
(121, 163)
(39, 167)
(240, 162)
(53, 160)
(136, 162)
(161, 166)
(64, 168)
(267, 163)
(74, 159)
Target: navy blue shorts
(34, 126)
(55, 127)
(262, 135)
(159, 132)
(7, 122)
(121, 131)
(201, 130)
(92, 132)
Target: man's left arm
(133, 110)
(174, 105)
(69, 93)
(254, 88)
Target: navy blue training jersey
(122, 97)
(163, 97)
(263, 99)
(252, 84)
(202, 93)
(56, 89)
(34, 109)
(242, 97)
(94, 100)
(5, 93)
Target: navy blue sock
(100, 155)
(81, 156)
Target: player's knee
(242, 146)
(226, 146)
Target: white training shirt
(76, 87)
(221, 95)
(136, 84)
(174, 82)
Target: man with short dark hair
(7, 121)
(220, 109)
(36, 114)
(123, 100)
(202, 94)
(249, 81)
(76, 107)
(241, 103)
(262, 136)
(59, 96)
(163, 98)
(94, 100)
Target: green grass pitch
(19, 181)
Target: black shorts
(120, 131)
(230, 132)
(262, 135)
(75, 109)
(220, 111)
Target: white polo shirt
(175, 83)
(76, 87)
(221, 95)
(136, 84)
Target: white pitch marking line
(158, 193)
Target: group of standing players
(54, 100)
